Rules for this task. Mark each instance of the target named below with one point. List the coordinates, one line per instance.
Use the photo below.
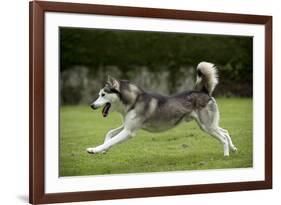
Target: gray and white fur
(157, 113)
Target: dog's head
(108, 95)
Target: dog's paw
(234, 149)
(91, 150)
(226, 156)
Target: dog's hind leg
(113, 133)
(208, 119)
(218, 135)
(226, 134)
(214, 131)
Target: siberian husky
(156, 113)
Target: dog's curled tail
(207, 77)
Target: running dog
(156, 113)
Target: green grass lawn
(185, 147)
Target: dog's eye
(102, 94)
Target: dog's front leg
(113, 133)
(120, 137)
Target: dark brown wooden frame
(36, 113)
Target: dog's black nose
(93, 106)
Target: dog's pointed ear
(114, 83)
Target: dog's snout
(93, 106)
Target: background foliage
(156, 61)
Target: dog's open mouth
(105, 109)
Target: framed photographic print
(138, 102)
